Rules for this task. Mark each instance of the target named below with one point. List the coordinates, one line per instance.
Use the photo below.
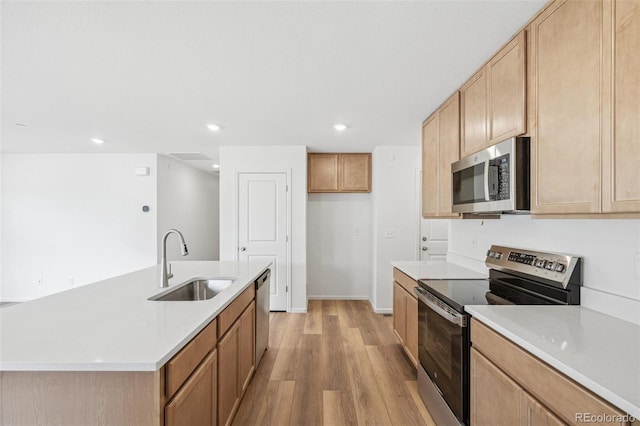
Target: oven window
(468, 185)
(442, 348)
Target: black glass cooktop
(499, 289)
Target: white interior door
(263, 227)
(433, 234)
(434, 239)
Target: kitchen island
(98, 354)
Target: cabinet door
(568, 114)
(247, 340)
(354, 172)
(430, 167)
(195, 403)
(621, 153)
(473, 112)
(399, 312)
(228, 373)
(448, 151)
(532, 413)
(411, 321)
(322, 173)
(506, 75)
(495, 398)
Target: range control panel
(559, 268)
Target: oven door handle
(432, 302)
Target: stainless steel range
(516, 277)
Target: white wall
(611, 251)
(268, 158)
(394, 207)
(187, 201)
(74, 216)
(339, 246)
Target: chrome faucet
(164, 274)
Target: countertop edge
(580, 378)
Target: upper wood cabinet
(334, 172)
(584, 107)
(440, 148)
(567, 118)
(621, 151)
(493, 101)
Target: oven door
(443, 351)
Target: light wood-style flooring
(338, 364)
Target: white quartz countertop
(596, 350)
(436, 270)
(110, 325)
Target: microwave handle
(487, 165)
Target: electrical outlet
(637, 266)
(39, 280)
(388, 232)
(71, 282)
(474, 240)
(356, 232)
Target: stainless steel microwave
(494, 180)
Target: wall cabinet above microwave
(332, 172)
(492, 102)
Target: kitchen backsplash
(610, 248)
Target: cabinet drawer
(558, 392)
(405, 281)
(180, 367)
(233, 311)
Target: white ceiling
(148, 76)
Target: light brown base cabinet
(405, 314)
(202, 385)
(510, 386)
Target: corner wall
(74, 219)
(394, 208)
(268, 158)
(188, 201)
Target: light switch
(388, 233)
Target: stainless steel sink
(199, 289)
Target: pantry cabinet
(405, 314)
(511, 386)
(440, 148)
(338, 172)
(493, 102)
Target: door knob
(424, 248)
(243, 248)
(424, 238)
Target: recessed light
(213, 127)
(216, 166)
(97, 141)
(340, 127)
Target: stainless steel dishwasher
(263, 291)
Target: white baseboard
(337, 297)
(298, 311)
(383, 311)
